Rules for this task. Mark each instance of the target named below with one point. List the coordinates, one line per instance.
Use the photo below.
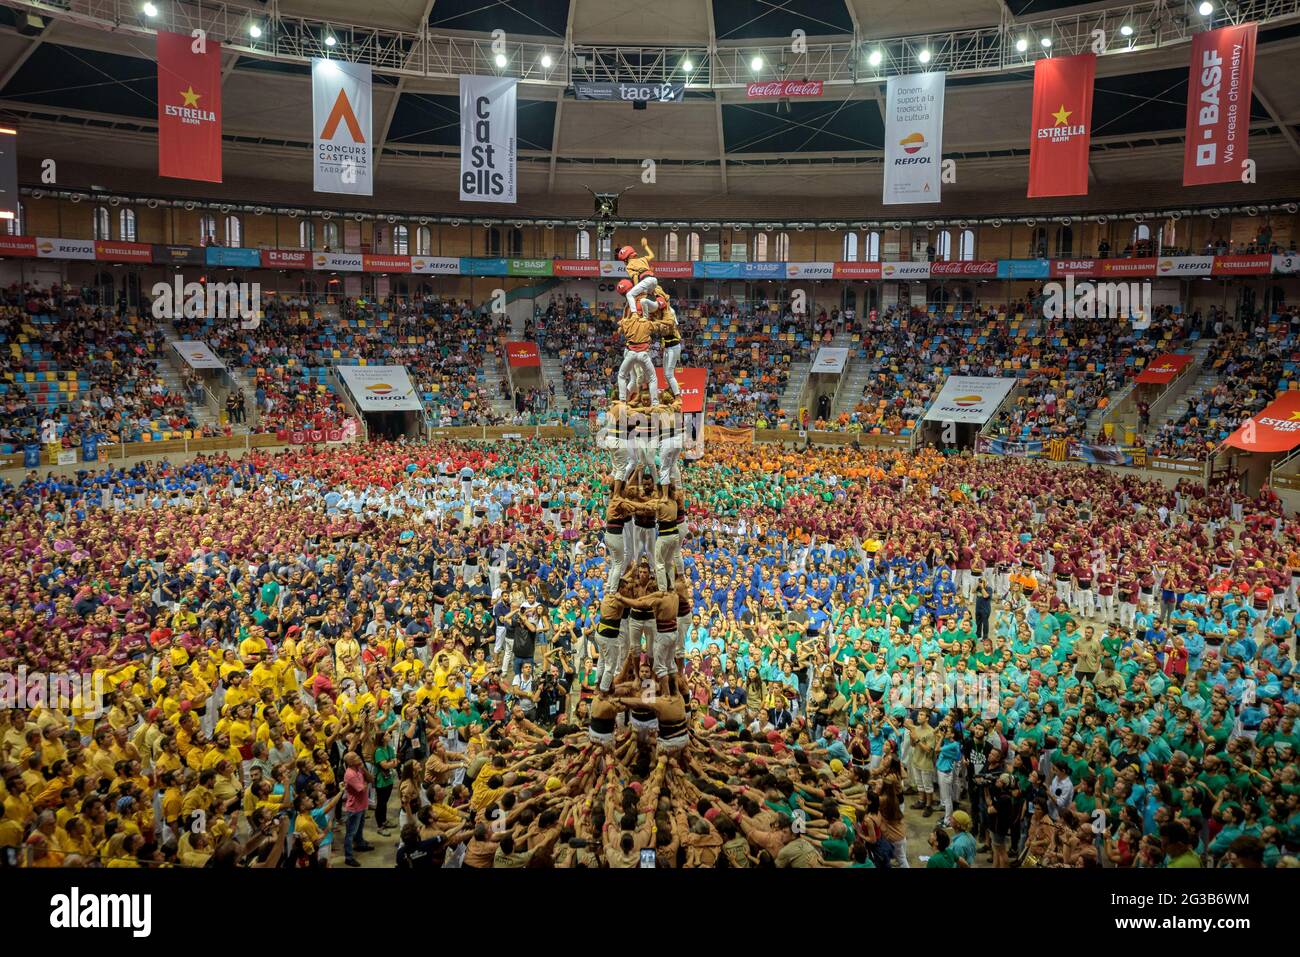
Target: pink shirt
(357, 791)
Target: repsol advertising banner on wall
(380, 388)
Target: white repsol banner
(339, 262)
(436, 265)
(197, 355)
(913, 138)
(809, 270)
(487, 139)
(906, 270)
(340, 101)
(968, 398)
(1184, 265)
(53, 248)
(380, 388)
(830, 359)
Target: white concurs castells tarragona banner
(198, 355)
(830, 359)
(344, 157)
(913, 138)
(380, 388)
(487, 139)
(969, 398)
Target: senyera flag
(1061, 127)
(189, 108)
(1218, 105)
(1276, 428)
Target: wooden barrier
(869, 439)
(216, 443)
(776, 435)
(1290, 482)
(457, 432)
(833, 438)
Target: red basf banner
(1218, 104)
(522, 354)
(189, 109)
(1061, 127)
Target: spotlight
(149, 10)
(254, 30)
(330, 41)
(875, 58)
(1205, 9)
(756, 64)
(1022, 45)
(1126, 31)
(501, 61)
(687, 65)
(1046, 42)
(924, 56)
(546, 61)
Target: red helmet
(625, 253)
(624, 285)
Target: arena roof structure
(78, 76)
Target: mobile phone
(647, 857)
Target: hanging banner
(809, 270)
(341, 262)
(716, 270)
(1162, 369)
(830, 359)
(1286, 263)
(913, 138)
(1144, 266)
(1061, 125)
(761, 270)
(576, 267)
(487, 139)
(849, 270)
(198, 355)
(340, 99)
(667, 269)
(529, 267)
(178, 255)
(118, 252)
(522, 354)
(436, 265)
(967, 398)
(50, 248)
(1242, 265)
(904, 271)
(371, 262)
(189, 108)
(966, 268)
(1274, 429)
(9, 201)
(630, 92)
(482, 267)
(286, 259)
(693, 382)
(22, 246)
(380, 388)
(1218, 104)
(1185, 266)
(1080, 268)
(233, 257)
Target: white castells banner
(197, 355)
(436, 265)
(830, 359)
(340, 98)
(487, 139)
(968, 398)
(380, 388)
(913, 138)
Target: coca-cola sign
(964, 268)
(783, 89)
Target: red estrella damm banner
(693, 381)
(522, 354)
(1162, 370)
(1061, 125)
(189, 108)
(1218, 104)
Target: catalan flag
(1058, 450)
